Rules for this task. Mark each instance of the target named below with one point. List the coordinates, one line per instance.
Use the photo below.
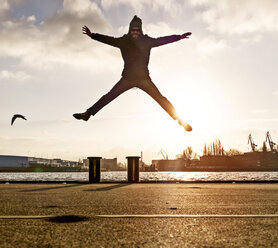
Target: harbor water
(121, 176)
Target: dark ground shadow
(52, 206)
(67, 219)
(49, 188)
(109, 187)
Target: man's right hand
(86, 31)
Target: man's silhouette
(135, 49)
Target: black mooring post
(133, 169)
(94, 169)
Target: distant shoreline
(42, 169)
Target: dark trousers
(123, 85)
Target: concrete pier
(139, 215)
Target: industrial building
(11, 161)
(106, 164)
(169, 164)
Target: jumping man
(135, 49)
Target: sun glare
(193, 110)
(203, 105)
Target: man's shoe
(186, 126)
(82, 116)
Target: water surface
(118, 176)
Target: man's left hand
(185, 35)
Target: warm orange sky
(223, 80)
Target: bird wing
(17, 116)
(13, 119)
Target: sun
(202, 106)
(192, 109)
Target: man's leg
(149, 87)
(120, 87)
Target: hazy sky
(223, 80)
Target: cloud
(238, 17)
(161, 29)
(18, 75)
(139, 6)
(57, 40)
(210, 45)
(6, 8)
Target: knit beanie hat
(135, 22)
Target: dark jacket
(135, 52)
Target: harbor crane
(164, 154)
(251, 142)
(270, 142)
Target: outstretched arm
(102, 38)
(169, 39)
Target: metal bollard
(94, 169)
(133, 168)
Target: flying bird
(17, 116)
